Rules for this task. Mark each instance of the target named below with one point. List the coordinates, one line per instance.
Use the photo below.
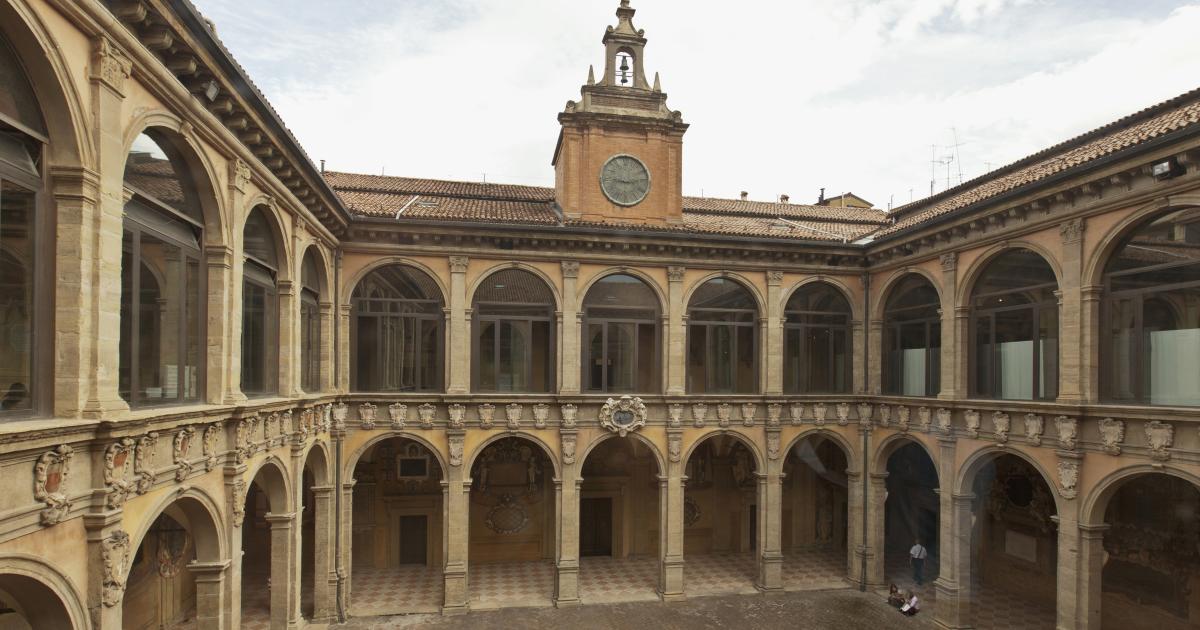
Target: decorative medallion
(541, 413)
(774, 411)
(1000, 426)
(885, 415)
(625, 180)
(457, 413)
(796, 410)
(366, 416)
(675, 416)
(819, 410)
(1034, 425)
(568, 448)
(114, 553)
(723, 412)
(456, 450)
(513, 413)
(691, 512)
(180, 448)
(864, 414)
(748, 410)
(508, 516)
(1112, 433)
(569, 413)
(50, 478)
(398, 412)
(116, 469)
(1068, 432)
(487, 415)
(843, 413)
(699, 411)
(426, 412)
(623, 415)
(971, 417)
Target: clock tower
(619, 157)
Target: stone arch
(658, 458)
(745, 282)
(893, 280)
(965, 481)
(317, 460)
(275, 483)
(204, 519)
(275, 223)
(353, 459)
(581, 293)
(385, 261)
(892, 443)
(1096, 502)
(554, 289)
(182, 136)
(760, 462)
(852, 460)
(856, 307)
(1097, 259)
(49, 73)
(469, 463)
(969, 279)
(325, 279)
(45, 595)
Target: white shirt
(918, 552)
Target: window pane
(125, 352)
(542, 357)
(430, 376)
(595, 367)
(935, 360)
(818, 361)
(16, 296)
(1014, 354)
(647, 364)
(1171, 329)
(1048, 353)
(791, 359)
(161, 305)
(697, 373)
(513, 368)
(721, 359)
(983, 356)
(839, 366)
(367, 354)
(192, 331)
(913, 354)
(747, 368)
(621, 357)
(487, 356)
(254, 332)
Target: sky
(877, 97)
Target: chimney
(745, 196)
(821, 200)
(784, 198)
(322, 167)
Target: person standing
(916, 559)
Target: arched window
(621, 347)
(310, 322)
(162, 286)
(816, 341)
(514, 333)
(722, 339)
(912, 339)
(1014, 323)
(22, 140)
(396, 332)
(260, 307)
(1151, 351)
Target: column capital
(110, 65)
(570, 268)
(675, 273)
(280, 521)
(458, 264)
(208, 571)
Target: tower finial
(591, 75)
(657, 83)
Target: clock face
(625, 180)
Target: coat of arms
(623, 415)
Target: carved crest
(241, 441)
(699, 413)
(1068, 478)
(972, 419)
(568, 448)
(49, 483)
(675, 416)
(843, 413)
(116, 471)
(1159, 437)
(819, 410)
(180, 447)
(885, 415)
(209, 445)
(724, 411)
(864, 414)
(944, 420)
(541, 413)
(457, 415)
(512, 414)
(487, 415)
(340, 411)
(114, 555)
(456, 450)
(425, 413)
(674, 446)
(774, 411)
(624, 414)
(366, 416)
(569, 413)
(398, 413)
(924, 418)
(1068, 432)
(1112, 433)
(902, 415)
(1000, 426)
(1034, 427)
(748, 410)
(239, 501)
(796, 412)
(773, 445)
(143, 467)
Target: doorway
(413, 539)
(595, 526)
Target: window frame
(437, 316)
(792, 383)
(709, 325)
(605, 323)
(310, 341)
(479, 317)
(893, 327)
(1035, 308)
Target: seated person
(911, 605)
(895, 599)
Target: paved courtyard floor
(820, 610)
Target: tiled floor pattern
(506, 584)
(719, 574)
(609, 580)
(407, 589)
(256, 602)
(814, 569)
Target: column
(1090, 342)
(676, 361)
(281, 568)
(1091, 566)
(875, 365)
(76, 201)
(458, 358)
(773, 339)
(567, 488)
(233, 326)
(210, 590)
(770, 528)
(97, 290)
(328, 358)
(345, 563)
(877, 493)
(343, 348)
(455, 499)
(571, 370)
(954, 580)
(855, 549)
(288, 370)
(670, 547)
(858, 338)
(218, 262)
(235, 506)
(1070, 336)
(1069, 535)
(324, 577)
(954, 339)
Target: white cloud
(782, 97)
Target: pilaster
(571, 370)
(671, 489)
(566, 588)
(676, 360)
(458, 357)
(1068, 566)
(770, 529)
(288, 370)
(343, 350)
(876, 534)
(954, 579)
(281, 568)
(1091, 566)
(324, 588)
(110, 555)
(457, 490)
(1070, 346)
(210, 590)
(773, 383)
(953, 359)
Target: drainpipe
(337, 443)
(865, 430)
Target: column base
(566, 603)
(460, 609)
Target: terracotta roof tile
(1166, 117)
(789, 210)
(376, 204)
(416, 186)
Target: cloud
(782, 97)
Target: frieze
(116, 471)
(50, 475)
(1034, 428)
(748, 410)
(541, 414)
(512, 415)
(398, 414)
(181, 446)
(1001, 424)
(623, 415)
(1159, 437)
(1112, 433)
(114, 556)
(487, 415)
(425, 413)
(1068, 432)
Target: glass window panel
(983, 356)
(1014, 355)
(840, 363)
(257, 240)
(193, 354)
(487, 356)
(368, 354)
(254, 332)
(647, 361)
(430, 374)
(697, 368)
(621, 356)
(16, 296)
(1048, 353)
(125, 351)
(595, 367)
(154, 169)
(721, 358)
(624, 291)
(912, 360)
(18, 102)
(541, 357)
(1171, 333)
(747, 370)
(935, 360)
(512, 358)
(791, 359)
